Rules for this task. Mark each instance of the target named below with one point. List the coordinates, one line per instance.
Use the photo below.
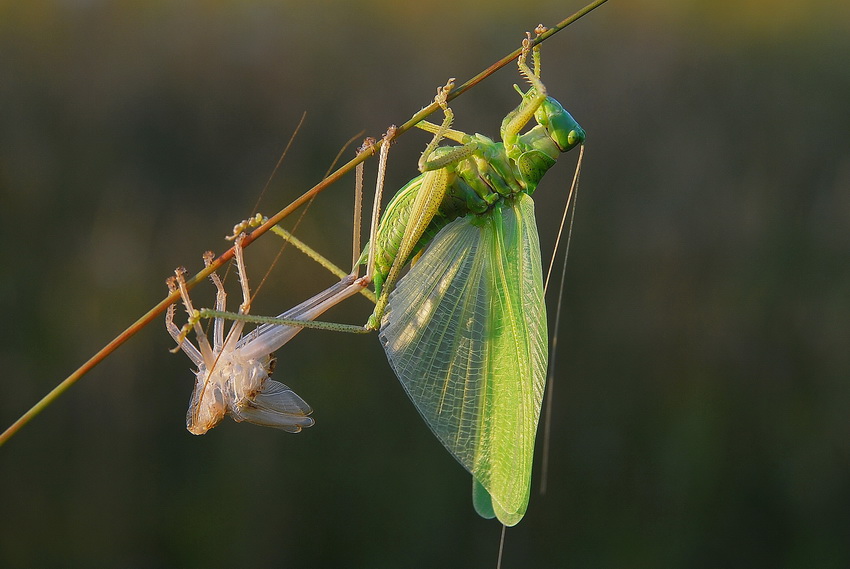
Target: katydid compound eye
(576, 136)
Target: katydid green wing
(465, 332)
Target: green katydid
(465, 329)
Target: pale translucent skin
(233, 373)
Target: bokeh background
(700, 408)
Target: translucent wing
(465, 332)
(275, 406)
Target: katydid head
(561, 127)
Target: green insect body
(465, 329)
(493, 171)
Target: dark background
(700, 411)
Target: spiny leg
(376, 205)
(516, 120)
(448, 117)
(452, 155)
(220, 304)
(172, 328)
(179, 334)
(235, 331)
(193, 323)
(356, 252)
(535, 54)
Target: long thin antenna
(570, 197)
(550, 376)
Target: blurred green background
(700, 410)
